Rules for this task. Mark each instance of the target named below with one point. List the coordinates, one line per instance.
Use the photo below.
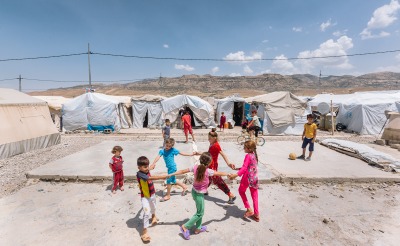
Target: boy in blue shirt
(169, 153)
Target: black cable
(260, 59)
(8, 79)
(41, 57)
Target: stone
(380, 142)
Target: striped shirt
(145, 184)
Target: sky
(261, 36)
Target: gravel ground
(13, 169)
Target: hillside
(221, 86)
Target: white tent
(364, 113)
(227, 106)
(25, 124)
(91, 110)
(284, 113)
(337, 100)
(149, 105)
(202, 110)
(55, 105)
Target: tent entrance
(146, 119)
(191, 115)
(238, 112)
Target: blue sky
(223, 29)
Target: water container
(328, 121)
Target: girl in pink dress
(249, 174)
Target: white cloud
(297, 29)
(265, 41)
(235, 75)
(382, 17)
(283, 65)
(339, 33)
(326, 24)
(328, 48)
(242, 58)
(184, 67)
(247, 70)
(214, 70)
(397, 57)
(166, 46)
(393, 68)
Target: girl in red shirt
(215, 150)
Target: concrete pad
(326, 164)
(91, 164)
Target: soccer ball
(292, 156)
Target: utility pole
(90, 76)
(319, 79)
(20, 87)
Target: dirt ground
(46, 213)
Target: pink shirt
(249, 171)
(201, 187)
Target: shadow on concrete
(109, 187)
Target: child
(309, 135)
(249, 175)
(201, 180)
(222, 121)
(115, 165)
(169, 153)
(187, 126)
(166, 131)
(254, 125)
(215, 150)
(147, 192)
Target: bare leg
(168, 195)
(184, 187)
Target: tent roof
(122, 99)
(233, 98)
(149, 98)
(54, 102)
(11, 96)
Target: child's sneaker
(300, 157)
(231, 200)
(308, 159)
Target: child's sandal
(248, 214)
(256, 218)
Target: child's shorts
(187, 130)
(307, 141)
(172, 179)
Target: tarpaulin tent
(392, 128)
(91, 111)
(147, 111)
(26, 124)
(233, 108)
(201, 109)
(124, 111)
(55, 105)
(364, 113)
(280, 111)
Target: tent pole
(333, 124)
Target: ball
(292, 156)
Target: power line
(40, 57)
(8, 79)
(201, 59)
(82, 81)
(242, 60)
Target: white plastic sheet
(201, 109)
(91, 108)
(366, 153)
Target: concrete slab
(92, 164)
(326, 165)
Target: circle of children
(205, 172)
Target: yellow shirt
(309, 130)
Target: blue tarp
(99, 128)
